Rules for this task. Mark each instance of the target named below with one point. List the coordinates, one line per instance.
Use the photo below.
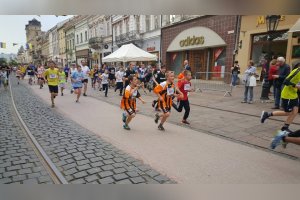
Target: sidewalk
(241, 122)
(185, 155)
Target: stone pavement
(183, 154)
(18, 161)
(81, 156)
(227, 117)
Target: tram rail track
(50, 167)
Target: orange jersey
(180, 76)
(166, 91)
(128, 101)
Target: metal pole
(207, 63)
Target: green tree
(13, 63)
(3, 61)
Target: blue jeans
(234, 79)
(248, 94)
(277, 94)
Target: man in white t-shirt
(120, 79)
(86, 71)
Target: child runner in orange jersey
(128, 102)
(165, 91)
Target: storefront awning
(295, 27)
(196, 38)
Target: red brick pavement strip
(235, 126)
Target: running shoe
(126, 127)
(160, 127)
(277, 139)
(153, 103)
(53, 105)
(72, 91)
(84, 94)
(156, 118)
(264, 116)
(185, 122)
(124, 117)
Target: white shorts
(62, 85)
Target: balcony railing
(95, 42)
(130, 36)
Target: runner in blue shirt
(77, 77)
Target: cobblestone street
(18, 161)
(81, 156)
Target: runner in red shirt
(185, 87)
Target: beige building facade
(253, 41)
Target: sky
(12, 28)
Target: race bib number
(170, 91)
(134, 93)
(52, 76)
(187, 87)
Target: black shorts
(85, 81)
(289, 104)
(111, 77)
(130, 111)
(41, 79)
(67, 74)
(53, 89)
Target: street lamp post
(272, 23)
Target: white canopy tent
(129, 52)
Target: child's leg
(186, 105)
(164, 118)
(106, 90)
(129, 118)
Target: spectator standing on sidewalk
(235, 71)
(272, 71)
(186, 65)
(250, 72)
(283, 72)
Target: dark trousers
(277, 96)
(183, 104)
(119, 86)
(105, 87)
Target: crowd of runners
(127, 81)
(134, 80)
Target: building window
(107, 29)
(156, 22)
(121, 27)
(81, 38)
(260, 45)
(86, 36)
(147, 20)
(137, 22)
(77, 39)
(127, 24)
(115, 31)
